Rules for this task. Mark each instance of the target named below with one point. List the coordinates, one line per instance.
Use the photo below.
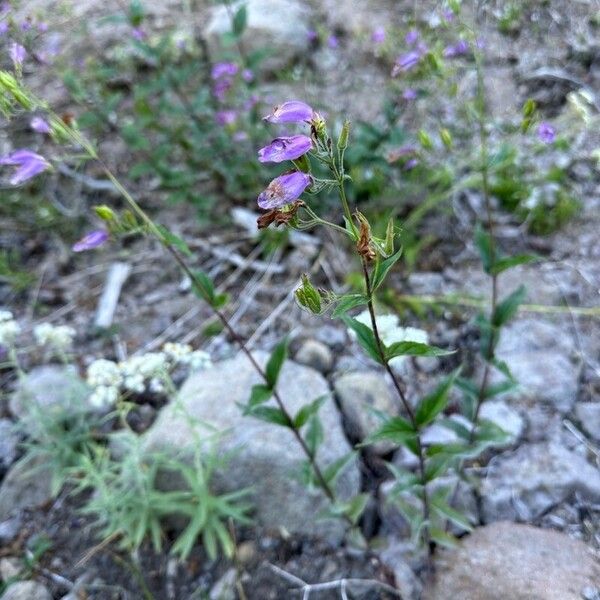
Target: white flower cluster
(137, 374)
(59, 337)
(391, 332)
(9, 328)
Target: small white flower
(104, 396)
(199, 360)
(59, 337)
(6, 315)
(9, 328)
(104, 372)
(178, 353)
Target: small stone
(224, 589)
(517, 562)
(525, 484)
(10, 567)
(27, 484)
(359, 394)
(26, 590)
(588, 414)
(335, 337)
(246, 552)
(9, 442)
(9, 529)
(406, 581)
(316, 355)
(507, 418)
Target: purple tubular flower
(292, 111)
(546, 133)
(461, 47)
(412, 37)
(312, 35)
(378, 35)
(332, 41)
(17, 54)
(224, 69)
(285, 148)
(449, 15)
(409, 94)
(247, 75)
(3, 27)
(283, 190)
(40, 125)
(91, 240)
(28, 163)
(138, 34)
(406, 62)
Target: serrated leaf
(364, 336)
(276, 361)
(307, 411)
(506, 309)
(382, 268)
(433, 404)
(508, 262)
(414, 349)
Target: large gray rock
(526, 483)
(26, 485)
(360, 393)
(539, 355)
(507, 561)
(280, 27)
(26, 590)
(47, 390)
(262, 455)
(588, 414)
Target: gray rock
(538, 355)
(27, 484)
(508, 561)
(507, 418)
(588, 414)
(9, 442)
(262, 455)
(335, 337)
(26, 590)
(316, 355)
(526, 483)
(9, 529)
(10, 567)
(224, 588)
(406, 581)
(48, 389)
(281, 27)
(359, 394)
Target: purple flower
(412, 37)
(332, 41)
(224, 69)
(17, 54)
(409, 94)
(3, 27)
(240, 136)
(378, 35)
(312, 35)
(406, 62)
(247, 75)
(449, 15)
(546, 133)
(285, 148)
(225, 117)
(91, 240)
(138, 34)
(28, 163)
(221, 87)
(292, 111)
(411, 164)
(42, 27)
(26, 25)
(284, 189)
(461, 47)
(40, 125)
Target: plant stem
(396, 380)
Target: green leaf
(365, 337)
(508, 262)
(174, 240)
(347, 303)
(276, 361)
(396, 430)
(437, 465)
(333, 470)
(443, 538)
(239, 21)
(444, 510)
(203, 286)
(259, 395)
(270, 414)
(382, 268)
(356, 507)
(414, 349)
(433, 404)
(314, 434)
(306, 412)
(506, 309)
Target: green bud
(12, 87)
(105, 213)
(425, 140)
(342, 143)
(390, 234)
(529, 108)
(446, 137)
(308, 296)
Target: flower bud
(9, 84)
(105, 213)
(308, 296)
(446, 137)
(425, 140)
(342, 143)
(529, 108)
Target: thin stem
(396, 380)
